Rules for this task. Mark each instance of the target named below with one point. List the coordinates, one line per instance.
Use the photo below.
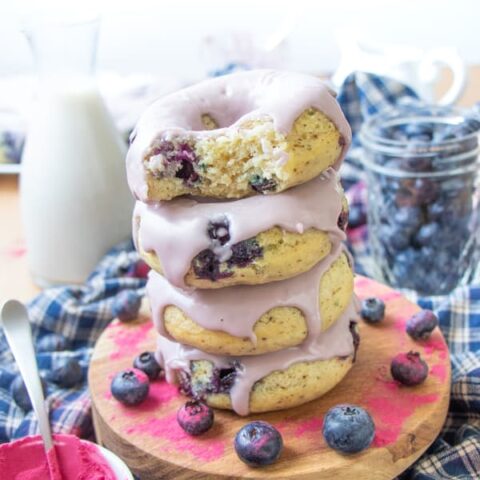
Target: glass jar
(423, 197)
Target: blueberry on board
(147, 363)
(19, 393)
(52, 342)
(348, 428)
(126, 305)
(68, 375)
(409, 369)
(195, 417)
(130, 386)
(421, 325)
(373, 310)
(258, 444)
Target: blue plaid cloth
(80, 313)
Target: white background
(166, 36)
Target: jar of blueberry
(422, 173)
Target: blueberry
(261, 184)
(147, 363)
(219, 230)
(224, 378)
(394, 237)
(258, 444)
(130, 386)
(206, 265)
(52, 342)
(357, 215)
(19, 393)
(373, 310)
(428, 234)
(126, 305)
(245, 252)
(409, 218)
(348, 428)
(426, 190)
(421, 325)
(68, 375)
(195, 417)
(409, 369)
(415, 131)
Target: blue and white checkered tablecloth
(80, 313)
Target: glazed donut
(263, 383)
(260, 131)
(216, 244)
(274, 329)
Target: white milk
(74, 195)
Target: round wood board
(407, 419)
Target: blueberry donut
(263, 383)
(216, 244)
(254, 320)
(256, 132)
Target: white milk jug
(74, 195)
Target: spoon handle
(17, 329)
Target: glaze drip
(179, 230)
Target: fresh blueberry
(52, 342)
(258, 444)
(126, 305)
(409, 218)
(419, 130)
(428, 234)
(68, 375)
(426, 190)
(147, 363)
(357, 215)
(394, 237)
(348, 428)
(195, 417)
(409, 369)
(130, 387)
(373, 310)
(19, 393)
(421, 325)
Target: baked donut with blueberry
(255, 132)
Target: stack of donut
(241, 216)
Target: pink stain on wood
(206, 447)
(439, 371)
(314, 425)
(435, 344)
(391, 405)
(127, 340)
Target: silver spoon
(16, 325)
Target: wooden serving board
(407, 419)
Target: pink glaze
(25, 459)
(177, 231)
(391, 405)
(206, 447)
(335, 342)
(127, 340)
(235, 310)
(231, 100)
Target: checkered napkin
(80, 313)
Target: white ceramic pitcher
(74, 196)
